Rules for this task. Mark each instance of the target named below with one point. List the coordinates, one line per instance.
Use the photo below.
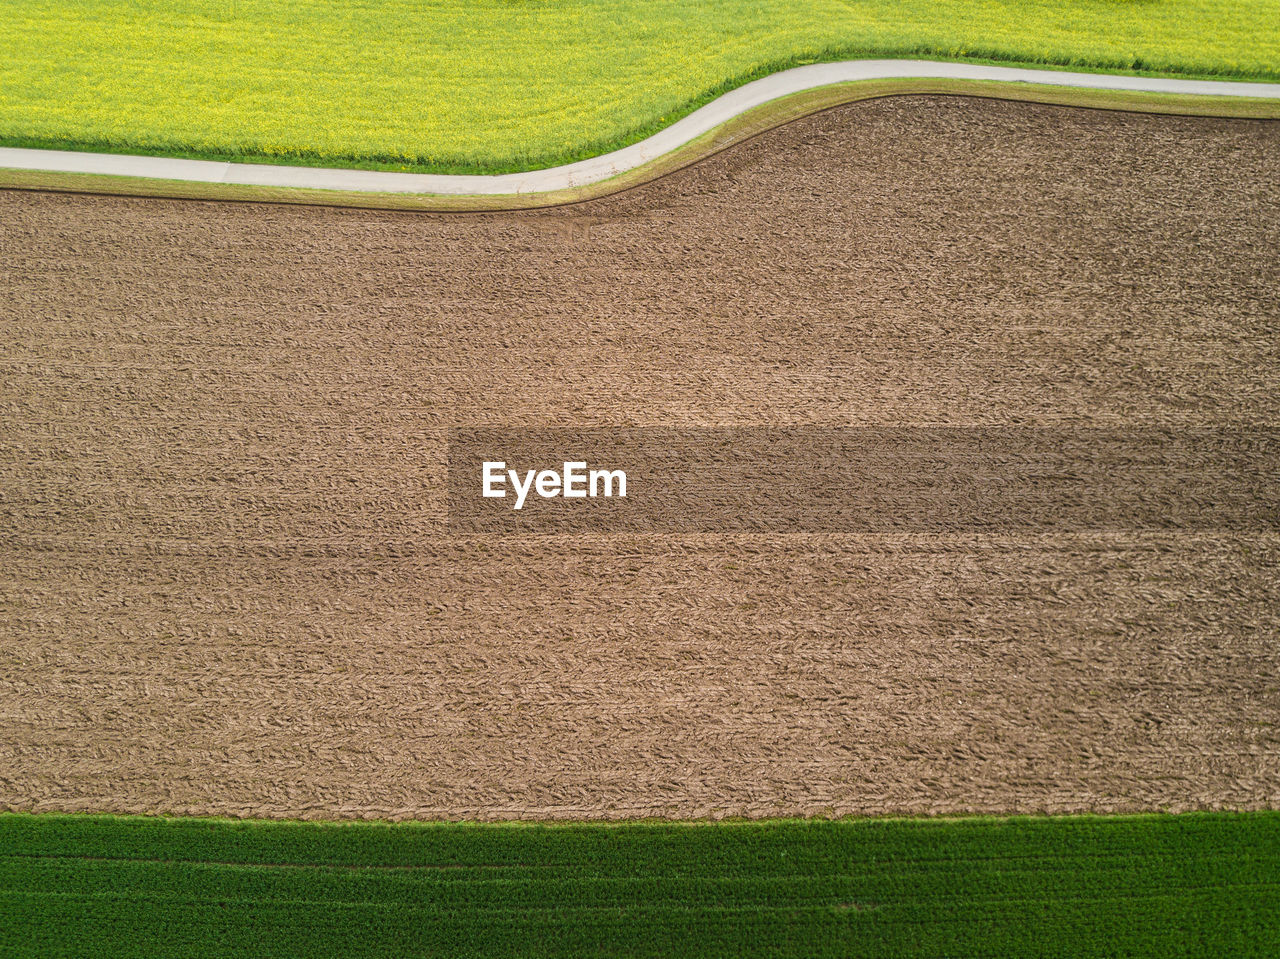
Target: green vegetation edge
(1190, 884)
(737, 130)
(490, 85)
(593, 148)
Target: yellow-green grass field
(495, 85)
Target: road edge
(735, 130)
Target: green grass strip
(742, 127)
(1197, 884)
(497, 85)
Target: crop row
(1196, 884)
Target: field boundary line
(746, 111)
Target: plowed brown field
(227, 584)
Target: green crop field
(489, 85)
(1159, 885)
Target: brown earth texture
(229, 585)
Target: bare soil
(227, 583)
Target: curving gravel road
(602, 167)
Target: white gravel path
(599, 168)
